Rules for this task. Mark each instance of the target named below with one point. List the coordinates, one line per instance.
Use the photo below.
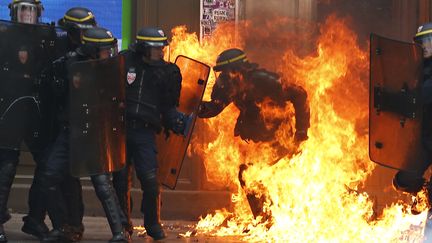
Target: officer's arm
(427, 91)
(172, 119)
(57, 76)
(298, 96)
(220, 98)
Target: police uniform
(74, 21)
(252, 86)
(57, 165)
(152, 95)
(19, 80)
(413, 181)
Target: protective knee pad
(102, 186)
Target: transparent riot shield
(26, 50)
(97, 129)
(172, 150)
(395, 108)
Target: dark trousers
(142, 154)
(8, 164)
(53, 174)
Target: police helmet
(230, 58)
(26, 11)
(424, 38)
(149, 37)
(78, 17)
(98, 43)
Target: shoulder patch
(131, 75)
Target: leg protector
(7, 174)
(150, 205)
(110, 203)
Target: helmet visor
(26, 13)
(108, 51)
(426, 43)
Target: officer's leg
(151, 203)
(34, 222)
(8, 164)
(53, 173)
(114, 213)
(413, 181)
(122, 182)
(72, 193)
(146, 167)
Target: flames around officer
(97, 43)
(152, 95)
(245, 84)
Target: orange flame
(312, 196)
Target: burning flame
(312, 196)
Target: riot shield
(96, 119)
(25, 51)
(395, 108)
(172, 149)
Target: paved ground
(97, 230)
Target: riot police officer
(413, 181)
(74, 21)
(253, 85)
(19, 67)
(246, 85)
(97, 43)
(152, 95)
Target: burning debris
(303, 197)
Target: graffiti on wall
(214, 12)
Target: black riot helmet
(76, 20)
(98, 43)
(424, 38)
(26, 11)
(149, 37)
(79, 17)
(230, 58)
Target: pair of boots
(111, 206)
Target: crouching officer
(152, 95)
(98, 44)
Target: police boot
(122, 182)
(56, 210)
(55, 236)
(111, 206)
(150, 206)
(2, 234)
(34, 227)
(74, 233)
